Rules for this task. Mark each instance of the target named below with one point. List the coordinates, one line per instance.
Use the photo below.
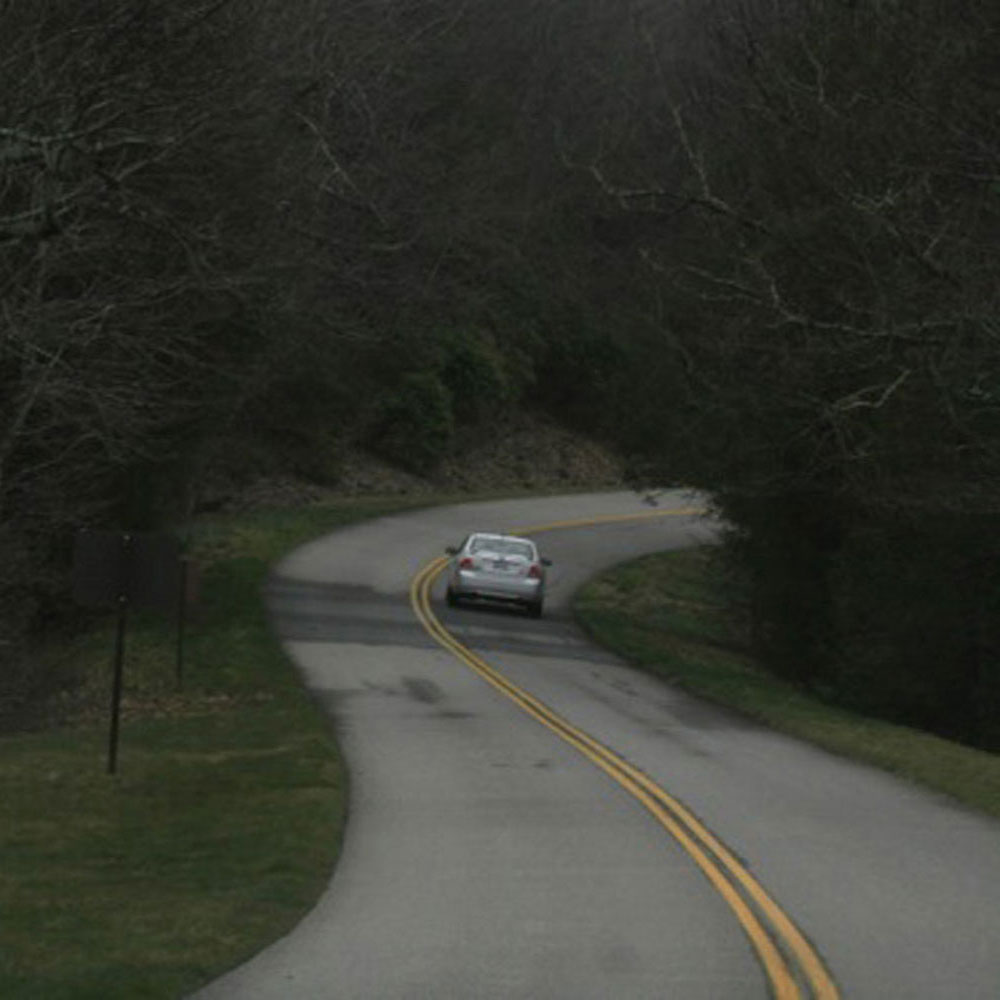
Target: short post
(119, 661)
(182, 599)
(116, 686)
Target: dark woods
(829, 293)
(752, 245)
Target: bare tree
(139, 239)
(821, 240)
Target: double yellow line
(790, 962)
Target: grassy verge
(223, 823)
(666, 614)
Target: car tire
(535, 609)
(451, 598)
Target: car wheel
(451, 597)
(535, 609)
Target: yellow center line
(589, 522)
(715, 860)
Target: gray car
(493, 567)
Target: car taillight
(535, 572)
(467, 563)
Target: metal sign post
(182, 600)
(116, 686)
(120, 569)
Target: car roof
(496, 534)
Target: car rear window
(503, 546)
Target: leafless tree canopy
(752, 243)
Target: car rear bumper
(524, 590)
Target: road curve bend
(530, 818)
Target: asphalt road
(487, 857)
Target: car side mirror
(451, 550)
(546, 562)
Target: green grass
(668, 614)
(223, 823)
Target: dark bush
(917, 605)
(415, 425)
(473, 370)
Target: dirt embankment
(525, 454)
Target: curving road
(495, 853)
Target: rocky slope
(525, 453)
